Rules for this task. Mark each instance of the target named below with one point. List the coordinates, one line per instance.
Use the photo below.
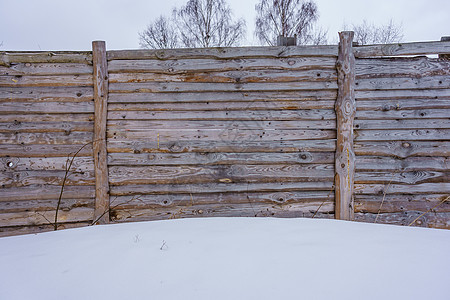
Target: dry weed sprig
(421, 215)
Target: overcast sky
(73, 24)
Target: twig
(384, 196)
(448, 197)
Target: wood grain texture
(345, 113)
(99, 140)
(417, 48)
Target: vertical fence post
(345, 112)
(101, 213)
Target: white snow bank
(228, 258)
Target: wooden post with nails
(101, 213)
(345, 113)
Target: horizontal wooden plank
(382, 163)
(229, 105)
(161, 189)
(237, 96)
(227, 134)
(416, 48)
(80, 164)
(32, 177)
(402, 94)
(401, 124)
(28, 218)
(44, 205)
(19, 230)
(224, 52)
(179, 87)
(260, 115)
(39, 138)
(46, 94)
(21, 69)
(121, 175)
(44, 150)
(297, 210)
(47, 192)
(208, 65)
(12, 57)
(197, 158)
(430, 220)
(187, 200)
(403, 104)
(267, 76)
(45, 80)
(405, 135)
(403, 83)
(39, 117)
(401, 67)
(115, 146)
(46, 126)
(412, 177)
(46, 107)
(403, 149)
(401, 203)
(422, 188)
(403, 114)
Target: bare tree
(286, 18)
(369, 33)
(159, 34)
(208, 23)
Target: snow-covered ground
(228, 258)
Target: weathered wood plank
(296, 210)
(403, 104)
(267, 76)
(403, 114)
(300, 95)
(78, 214)
(40, 117)
(403, 149)
(80, 164)
(400, 203)
(46, 192)
(224, 52)
(45, 126)
(402, 94)
(405, 135)
(45, 80)
(44, 205)
(101, 214)
(382, 163)
(263, 115)
(39, 138)
(402, 124)
(120, 175)
(229, 105)
(196, 158)
(401, 67)
(126, 146)
(417, 48)
(24, 178)
(228, 134)
(44, 150)
(412, 177)
(44, 94)
(422, 188)
(46, 107)
(208, 65)
(431, 220)
(14, 57)
(187, 200)
(345, 112)
(167, 87)
(162, 189)
(18, 230)
(404, 83)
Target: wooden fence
(341, 132)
